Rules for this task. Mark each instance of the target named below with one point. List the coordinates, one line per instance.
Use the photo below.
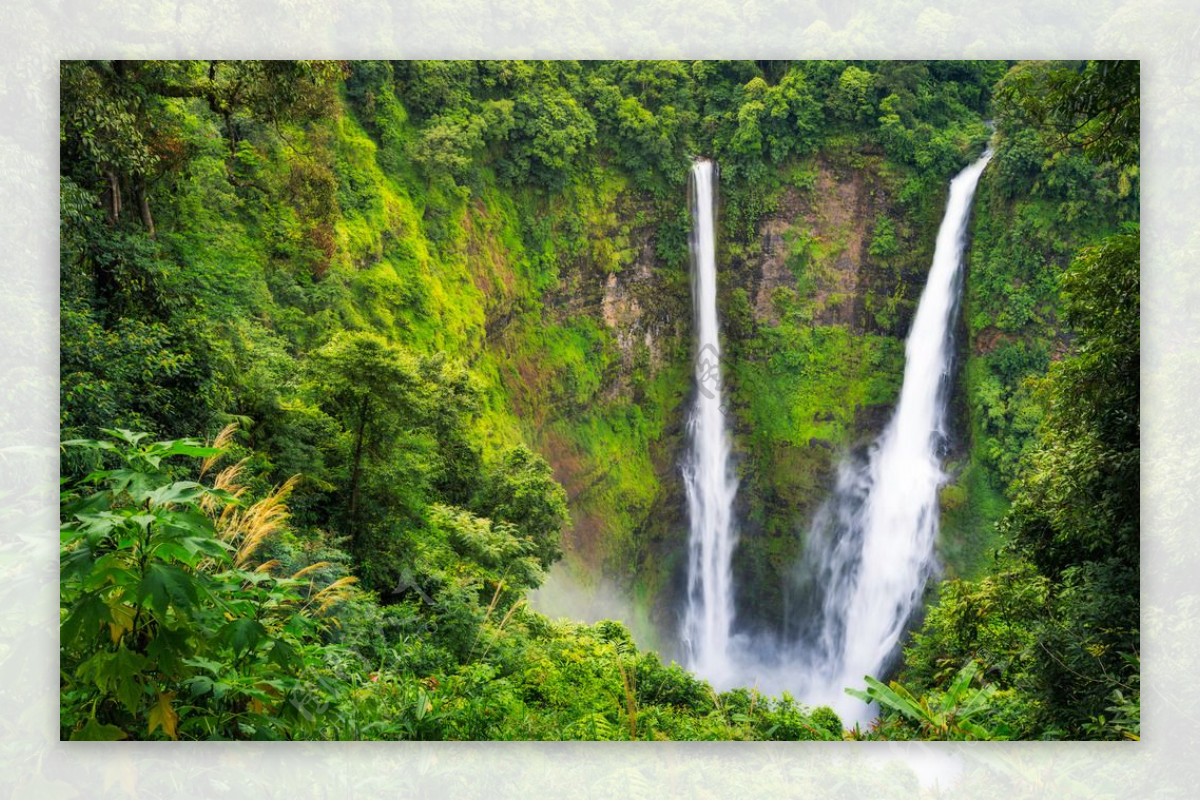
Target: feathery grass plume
(495, 598)
(509, 614)
(335, 593)
(261, 520)
(500, 627)
(267, 566)
(486, 615)
(304, 571)
(503, 624)
(221, 441)
(226, 481)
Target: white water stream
(708, 479)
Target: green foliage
(174, 627)
(883, 239)
(787, 374)
(167, 630)
(971, 507)
(1091, 397)
(521, 491)
(950, 715)
(1093, 106)
(551, 132)
(851, 99)
(1076, 504)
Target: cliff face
(814, 309)
(594, 362)
(830, 283)
(834, 214)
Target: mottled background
(35, 35)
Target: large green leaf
(185, 447)
(284, 655)
(170, 647)
(117, 673)
(242, 634)
(893, 697)
(126, 680)
(165, 585)
(125, 435)
(94, 730)
(95, 444)
(178, 492)
(84, 619)
(112, 569)
(77, 562)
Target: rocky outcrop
(817, 244)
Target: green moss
(971, 506)
(798, 383)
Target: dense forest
(355, 354)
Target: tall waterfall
(708, 479)
(871, 548)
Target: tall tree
(374, 389)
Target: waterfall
(709, 483)
(870, 551)
(871, 548)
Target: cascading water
(709, 483)
(871, 548)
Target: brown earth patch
(990, 338)
(837, 214)
(584, 537)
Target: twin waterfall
(871, 547)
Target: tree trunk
(356, 468)
(144, 206)
(114, 196)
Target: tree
(373, 388)
(551, 132)
(454, 403)
(521, 490)
(104, 130)
(852, 100)
(448, 145)
(1094, 106)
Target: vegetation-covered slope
(1053, 316)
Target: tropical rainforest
(356, 355)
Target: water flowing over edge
(708, 480)
(873, 543)
(871, 549)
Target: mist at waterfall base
(871, 547)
